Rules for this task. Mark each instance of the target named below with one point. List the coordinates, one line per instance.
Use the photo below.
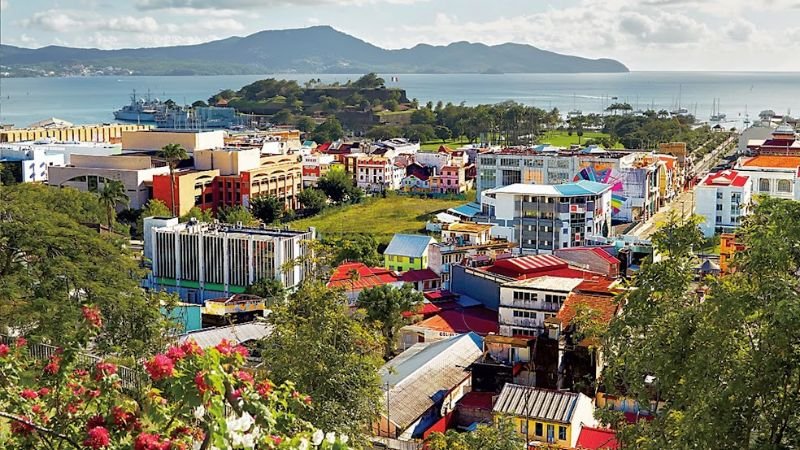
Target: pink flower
(264, 388)
(20, 428)
(53, 366)
(97, 437)
(4, 349)
(44, 391)
(72, 408)
(160, 367)
(80, 373)
(276, 439)
(200, 382)
(176, 353)
(92, 315)
(29, 394)
(224, 347)
(122, 419)
(146, 441)
(95, 421)
(237, 393)
(307, 400)
(21, 342)
(242, 350)
(245, 377)
(104, 369)
(190, 347)
(93, 393)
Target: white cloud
(65, 21)
(3, 4)
(663, 28)
(253, 4)
(740, 30)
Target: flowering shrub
(190, 399)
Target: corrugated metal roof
(469, 210)
(411, 245)
(421, 376)
(543, 404)
(582, 187)
(235, 333)
(548, 283)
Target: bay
(93, 99)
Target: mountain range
(318, 49)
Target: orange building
(728, 247)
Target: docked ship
(141, 110)
(201, 117)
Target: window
(562, 433)
(538, 429)
(719, 195)
(719, 206)
(719, 219)
(523, 427)
(763, 185)
(412, 260)
(784, 186)
(551, 433)
(513, 162)
(511, 177)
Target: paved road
(683, 203)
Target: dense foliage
(724, 366)
(502, 436)
(192, 398)
(384, 306)
(51, 264)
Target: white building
(200, 261)
(775, 176)
(722, 198)
(65, 148)
(378, 174)
(315, 166)
(28, 164)
(525, 304)
(394, 147)
(542, 218)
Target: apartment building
(722, 198)
(200, 261)
(542, 218)
(156, 139)
(378, 174)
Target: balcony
(520, 322)
(537, 305)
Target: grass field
(382, 217)
(434, 145)
(563, 139)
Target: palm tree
(173, 153)
(113, 193)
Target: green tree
(419, 133)
(382, 132)
(313, 200)
(423, 116)
(725, 365)
(502, 436)
(305, 124)
(338, 186)
(173, 154)
(385, 305)
(236, 214)
(270, 289)
(339, 362)
(282, 117)
(267, 208)
(51, 264)
(153, 208)
(443, 133)
(391, 104)
(201, 215)
(369, 81)
(199, 103)
(357, 247)
(113, 194)
(330, 130)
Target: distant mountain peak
(315, 49)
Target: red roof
(367, 276)
(726, 178)
(605, 306)
(477, 400)
(778, 162)
(480, 320)
(440, 295)
(597, 439)
(323, 147)
(412, 276)
(599, 251)
(526, 265)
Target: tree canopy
(328, 353)
(339, 187)
(369, 81)
(385, 305)
(267, 208)
(328, 131)
(724, 365)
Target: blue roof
(582, 187)
(469, 210)
(411, 245)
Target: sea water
(93, 99)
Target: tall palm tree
(173, 153)
(113, 193)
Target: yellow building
(544, 416)
(407, 252)
(191, 140)
(85, 133)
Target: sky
(729, 35)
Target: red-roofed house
(475, 407)
(448, 323)
(776, 176)
(596, 259)
(354, 277)
(423, 280)
(597, 439)
(784, 141)
(722, 198)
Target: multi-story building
(315, 166)
(27, 165)
(231, 177)
(49, 146)
(156, 139)
(378, 174)
(407, 252)
(542, 218)
(783, 141)
(775, 176)
(201, 261)
(66, 132)
(632, 175)
(89, 174)
(722, 199)
(450, 180)
(442, 256)
(526, 304)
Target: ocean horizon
(739, 94)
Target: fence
(130, 378)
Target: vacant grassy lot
(563, 139)
(434, 145)
(382, 217)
